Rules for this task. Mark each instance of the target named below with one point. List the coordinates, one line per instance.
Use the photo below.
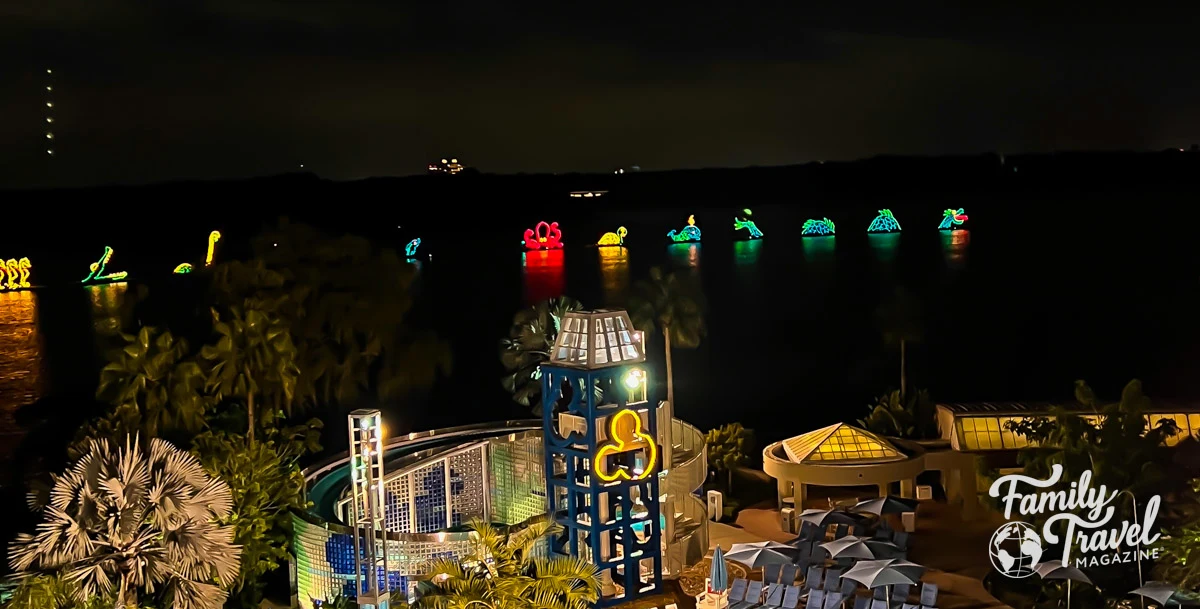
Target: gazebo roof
(597, 339)
(840, 443)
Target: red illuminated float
(543, 237)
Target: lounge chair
(788, 575)
(812, 579)
(833, 580)
(774, 596)
(791, 597)
(771, 573)
(737, 592)
(816, 600)
(929, 594)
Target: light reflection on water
(20, 355)
(614, 274)
(746, 253)
(884, 245)
(954, 247)
(819, 250)
(543, 274)
(684, 255)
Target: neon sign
(625, 435)
(543, 237)
(885, 222)
(952, 219)
(213, 238)
(748, 224)
(691, 232)
(98, 267)
(617, 238)
(14, 274)
(1102, 547)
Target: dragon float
(748, 224)
(952, 219)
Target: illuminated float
(543, 237)
(617, 238)
(98, 270)
(410, 250)
(817, 228)
(748, 224)
(14, 274)
(953, 219)
(213, 238)
(885, 222)
(690, 233)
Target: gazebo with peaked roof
(844, 455)
(840, 444)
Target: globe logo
(1015, 549)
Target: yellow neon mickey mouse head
(625, 433)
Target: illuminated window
(840, 443)
(597, 339)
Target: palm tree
(153, 383)
(900, 319)
(674, 304)
(502, 572)
(254, 358)
(534, 330)
(122, 523)
(348, 305)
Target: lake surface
(1016, 308)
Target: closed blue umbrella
(718, 575)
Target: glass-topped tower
(602, 457)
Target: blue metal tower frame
(574, 491)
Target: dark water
(1017, 308)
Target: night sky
(152, 90)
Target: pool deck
(956, 566)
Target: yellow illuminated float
(625, 435)
(213, 238)
(617, 238)
(98, 270)
(14, 274)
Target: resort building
(845, 456)
(436, 482)
(446, 167)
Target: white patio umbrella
(823, 518)
(763, 545)
(756, 558)
(853, 546)
(1055, 569)
(1161, 592)
(885, 505)
(876, 573)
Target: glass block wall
(516, 470)
(325, 559)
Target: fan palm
(673, 304)
(503, 572)
(121, 523)
(534, 330)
